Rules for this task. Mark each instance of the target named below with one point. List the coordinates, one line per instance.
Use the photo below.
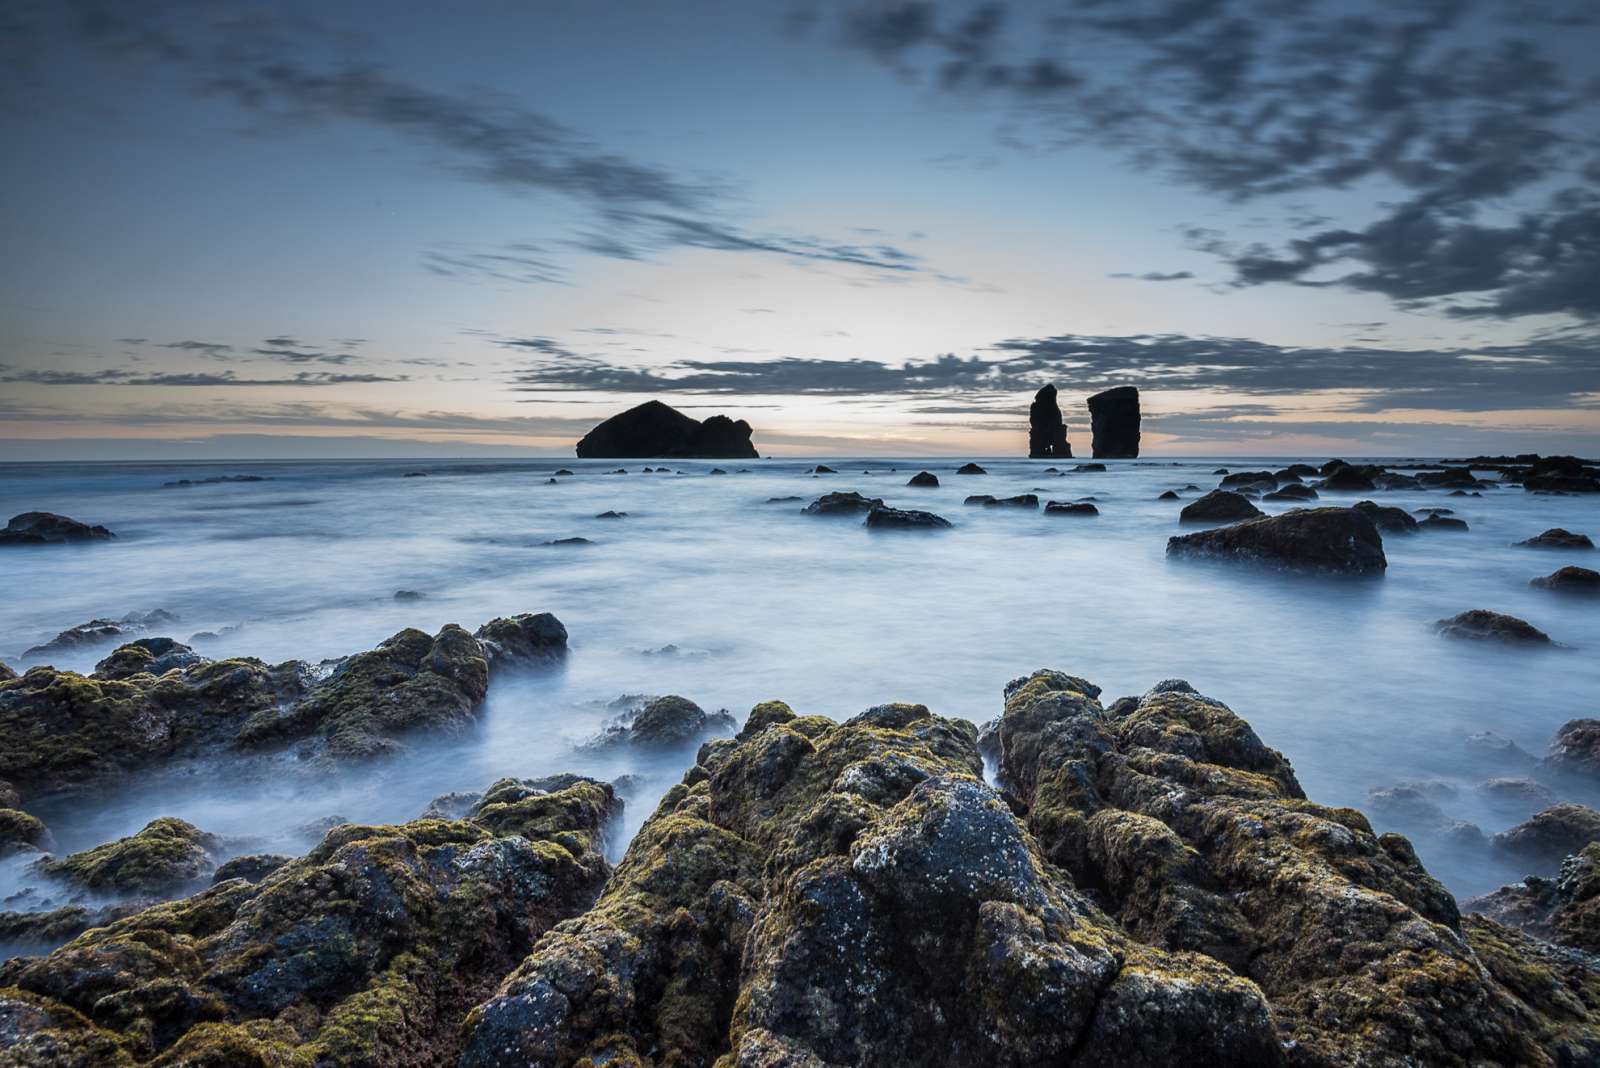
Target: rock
(1387, 520)
(1442, 522)
(215, 480)
(314, 831)
(980, 498)
(846, 503)
(1047, 432)
(1292, 492)
(1249, 478)
(166, 858)
(716, 471)
(1580, 580)
(817, 893)
(823, 469)
(1090, 468)
(669, 722)
(367, 951)
(1564, 910)
(252, 868)
(970, 469)
(1480, 624)
(564, 471)
(1332, 540)
(611, 514)
(1435, 511)
(1078, 508)
(147, 656)
(655, 429)
(60, 730)
(1021, 500)
(99, 632)
(1576, 749)
(1348, 479)
(1494, 750)
(43, 528)
(1218, 506)
(783, 500)
(1550, 835)
(1169, 495)
(407, 595)
(924, 478)
(1519, 796)
(884, 518)
(22, 833)
(567, 541)
(1557, 538)
(1114, 418)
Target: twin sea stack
(1113, 416)
(654, 429)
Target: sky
(238, 229)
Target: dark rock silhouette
(1079, 508)
(43, 528)
(1480, 624)
(1219, 506)
(1114, 418)
(1570, 580)
(656, 429)
(1558, 538)
(883, 517)
(1334, 540)
(924, 478)
(1047, 432)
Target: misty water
(707, 590)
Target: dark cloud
(515, 264)
(1155, 276)
(1467, 110)
(132, 340)
(288, 355)
(1549, 373)
(181, 378)
(206, 348)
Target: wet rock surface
(1327, 540)
(367, 951)
(1558, 538)
(656, 429)
(842, 503)
(1219, 506)
(99, 632)
(882, 517)
(666, 723)
(1480, 624)
(45, 528)
(1578, 580)
(166, 858)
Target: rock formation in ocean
(1047, 432)
(1149, 886)
(46, 528)
(656, 429)
(1114, 420)
(1329, 540)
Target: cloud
(213, 349)
(1453, 112)
(181, 378)
(288, 355)
(1155, 276)
(132, 340)
(1552, 372)
(289, 72)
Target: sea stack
(1047, 433)
(654, 429)
(1114, 418)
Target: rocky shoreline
(1143, 883)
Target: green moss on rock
(164, 858)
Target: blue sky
(257, 229)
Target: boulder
(1169, 495)
(1548, 836)
(1576, 749)
(1090, 468)
(1219, 506)
(1579, 580)
(655, 429)
(980, 498)
(823, 469)
(369, 950)
(1047, 433)
(1293, 491)
(970, 469)
(666, 723)
(1564, 910)
(44, 528)
(883, 517)
(147, 656)
(252, 868)
(1557, 538)
(1437, 522)
(1078, 508)
(1331, 540)
(924, 478)
(21, 833)
(1348, 479)
(1249, 478)
(1114, 419)
(845, 503)
(1480, 624)
(1021, 500)
(166, 858)
(1388, 520)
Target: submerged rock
(882, 517)
(367, 951)
(1333, 540)
(925, 479)
(1480, 624)
(1078, 508)
(1576, 749)
(44, 528)
(666, 723)
(1548, 836)
(1021, 500)
(1348, 479)
(147, 656)
(1579, 580)
(970, 469)
(21, 833)
(1565, 910)
(166, 858)
(1218, 506)
(1558, 538)
(1047, 432)
(1437, 521)
(1169, 495)
(656, 429)
(1292, 492)
(844, 503)
(1114, 419)
(1388, 520)
(99, 632)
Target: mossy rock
(368, 951)
(21, 833)
(166, 857)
